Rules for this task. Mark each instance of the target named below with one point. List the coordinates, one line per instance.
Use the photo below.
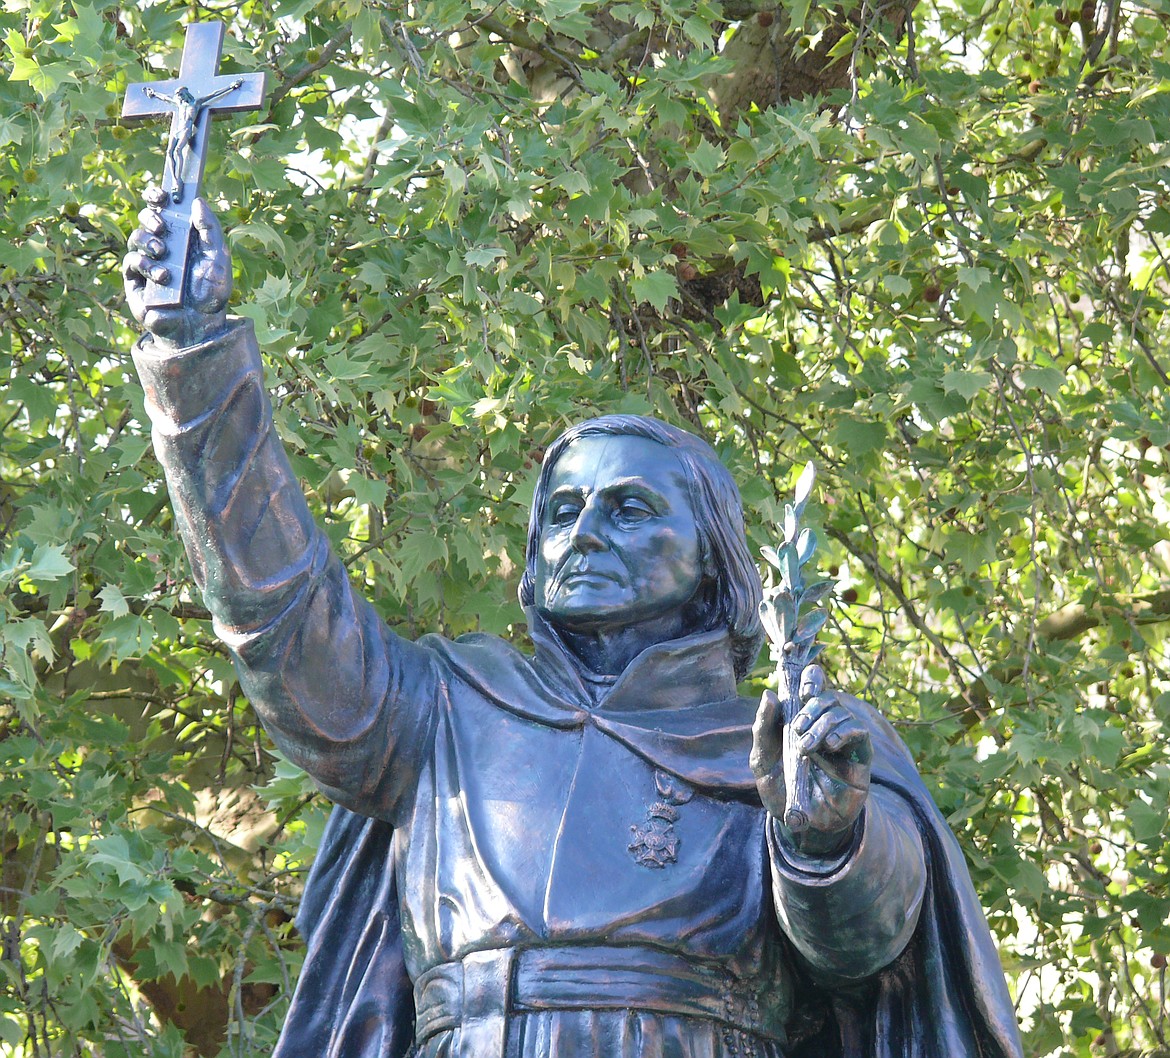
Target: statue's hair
(718, 512)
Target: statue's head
(636, 519)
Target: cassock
(530, 859)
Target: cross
(191, 99)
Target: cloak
(944, 997)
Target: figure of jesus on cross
(188, 110)
(191, 99)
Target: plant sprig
(792, 618)
(792, 633)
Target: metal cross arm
(191, 100)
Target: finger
(812, 682)
(139, 265)
(132, 269)
(156, 196)
(849, 738)
(767, 732)
(152, 221)
(150, 245)
(206, 225)
(812, 711)
(823, 728)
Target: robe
(554, 864)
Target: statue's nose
(587, 535)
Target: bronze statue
(580, 852)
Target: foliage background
(922, 243)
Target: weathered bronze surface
(582, 851)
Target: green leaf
(859, 437)
(706, 159)
(973, 277)
(1047, 379)
(898, 286)
(49, 563)
(798, 14)
(483, 256)
(968, 384)
(655, 287)
(113, 601)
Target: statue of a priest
(578, 852)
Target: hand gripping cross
(191, 99)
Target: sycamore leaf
(483, 256)
(706, 158)
(48, 564)
(1047, 379)
(973, 277)
(113, 601)
(966, 383)
(655, 287)
(798, 15)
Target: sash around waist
(486, 986)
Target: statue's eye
(565, 513)
(634, 510)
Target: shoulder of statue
(476, 654)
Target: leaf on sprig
(804, 486)
(771, 556)
(791, 523)
(770, 621)
(810, 624)
(814, 593)
(790, 568)
(806, 545)
(813, 652)
(786, 610)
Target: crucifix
(191, 99)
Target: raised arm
(341, 695)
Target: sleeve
(851, 917)
(341, 695)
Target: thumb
(812, 682)
(207, 228)
(767, 733)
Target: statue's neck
(607, 651)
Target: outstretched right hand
(203, 313)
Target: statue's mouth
(590, 574)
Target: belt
(476, 995)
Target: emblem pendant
(655, 844)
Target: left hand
(836, 744)
(203, 313)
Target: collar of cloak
(675, 704)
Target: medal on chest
(655, 843)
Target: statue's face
(619, 544)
